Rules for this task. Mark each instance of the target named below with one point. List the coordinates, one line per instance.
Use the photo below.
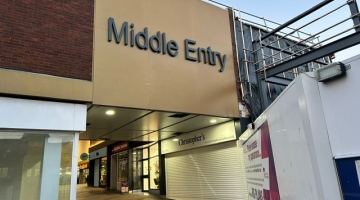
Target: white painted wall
(74, 166)
(41, 115)
(301, 149)
(49, 188)
(341, 99)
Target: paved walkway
(92, 193)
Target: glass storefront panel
(103, 171)
(145, 153)
(123, 166)
(145, 167)
(154, 150)
(137, 169)
(32, 164)
(154, 173)
(145, 184)
(65, 168)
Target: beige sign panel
(128, 76)
(213, 135)
(40, 85)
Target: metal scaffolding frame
(318, 48)
(315, 51)
(271, 55)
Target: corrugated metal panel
(211, 172)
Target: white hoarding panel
(301, 151)
(340, 98)
(204, 137)
(259, 166)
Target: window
(28, 161)
(123, 166)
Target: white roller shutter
(211, 172)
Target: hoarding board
(259, 165)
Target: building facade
(163, 79)
(137, 72)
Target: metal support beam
(354, 10)
(320, 5)
(298, 54)
(338, 45)
(279, 81)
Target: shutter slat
(211, 172)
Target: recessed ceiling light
(110, 112)
(175, 140)
(213, 121)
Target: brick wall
(236, 64)
(53, 37)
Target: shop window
(137, 169)
(65, 165)
(154, 150)
(154, 173)
(123, 166)
(145, 167)
(145, 153)
(145, 184)
(103, 171)
(27, 157)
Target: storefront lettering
(252, 146)
(191, 140)
(209, 55)
(119, 147)
(158, 44)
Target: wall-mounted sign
(84, 156)
(119, 147)
(259, 165)
(204, 137)
(159, 43)
(98, 153)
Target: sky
(282, 11)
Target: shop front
(203, 164)
(98, 159)
(39, 160)
(146, 169)
(142, 77)
(119, 178)
(174, 75)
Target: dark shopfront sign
(158, 44)
(119, 147)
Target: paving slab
(93, 193)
